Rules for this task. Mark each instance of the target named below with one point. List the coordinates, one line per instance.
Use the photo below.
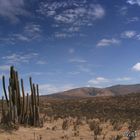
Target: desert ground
(106, 118)
(55, 130)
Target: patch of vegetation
(116, 109)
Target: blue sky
(71, 43)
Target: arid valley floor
(97, 118)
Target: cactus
(21, 109)
(37, 87)
(23, 103)
(2, 107)
(4, 89)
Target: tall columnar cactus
(37, 88)
(4, 89)
(23, 103)
(22, 109)
(2, 108)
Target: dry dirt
(52, 130)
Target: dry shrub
(54, 128)
(117, 126)
(65, 124)
(40, 137)
(9, 126)
(64, 137)
(95, 126)
(76, 133)
(76, 124)
(118, 137)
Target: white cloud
(133, 19)
(138, 36)
(41, 62)
(71, 50)
(11, 9)
(123, 10)
(29, 33)
(20, 37)
(77, 60)
(98, 81)
(72, 29)
(107, 42)
(72, 12)
(132, 2)
(131, 34)
(123, 79)
(83, 68)
(5, 67)
(32, 30)
(71, 16)
(63, 35)
(80, 15)
(66, 34)
(128, 34)
(19, 58)
(49, 88)
(33, 74)
(136, 67)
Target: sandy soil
(52, 130)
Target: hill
(85, 92)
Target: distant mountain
(124, 89)
(85, 92)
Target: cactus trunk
(21, 109)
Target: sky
(71, 43)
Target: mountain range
(85, 92)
